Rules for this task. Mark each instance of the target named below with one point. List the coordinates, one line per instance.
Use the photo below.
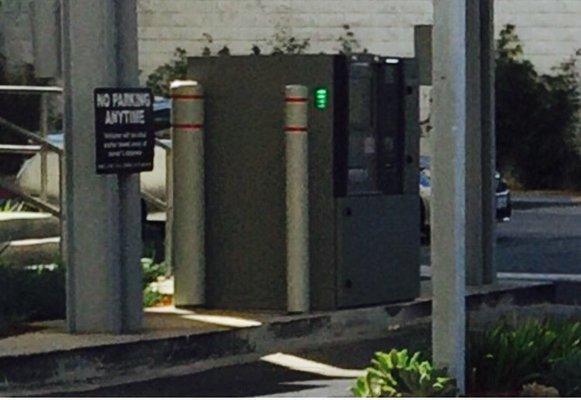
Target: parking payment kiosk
(364, 206)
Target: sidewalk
(535, 199)
(177, 342)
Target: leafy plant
(506, 358)
(396, 374)
(151, 297)
(349, 43)
(206, 52)
(537, 117)
(32, 294)
(283, 42)
(12, 206)
(160, 79)
(224, 51)
(256, 50)
(152, 271)
(565, 374)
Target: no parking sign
(124, 130)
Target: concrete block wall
(16, 33)
(550, 29)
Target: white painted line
(426, 272)
(302, 364)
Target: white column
(102, 250)
(188, 219)
(297, 198)
(449, 188)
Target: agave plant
(396, 374)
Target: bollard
(188, 212)
(297, 198)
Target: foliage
(12, 206)
(506, 358)
(565, 374)
(283, 42)
(206, 50)
(536, 118)
(151, 297)
(537, 390)
(160, 79)
(349, 43)
(152, 271)
(396, 374)
(32, 294)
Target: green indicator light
(321, 98)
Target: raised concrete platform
(177, 342)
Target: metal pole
(449, 188)
(43, 155)
(488, 141)
(297, 198)
(188, 220)
(169, 209)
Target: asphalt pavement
(540, 238)
(315, 373)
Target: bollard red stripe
(296, 99)
(187, 97)
(295, 128)
(189, 126)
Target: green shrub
(565, 374)
(396, 374)
(505, 358)
(160, 79)
(32, 294)
(152, 271)
(536, 118)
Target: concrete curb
(520, 202)
(91, 366)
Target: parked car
(502, 196)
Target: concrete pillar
(488, 146)
(46, 38)
(449, 182)
(101, 230)
(130, 240)
(188, 218)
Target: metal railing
(43, 146)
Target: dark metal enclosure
(363, 179)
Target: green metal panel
(378, 249)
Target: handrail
(15, 190)
(25, 149)
(163, 145)
(13, 89)
(30, 135)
